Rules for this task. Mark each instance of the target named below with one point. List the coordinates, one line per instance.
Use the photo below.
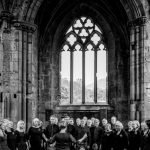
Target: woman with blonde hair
(3, 136)
(11, 136)
(35, 135)
(120, 138)
(21, 139)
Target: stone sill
(83, 107)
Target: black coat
(97, 135)
(120, 141)
(134, 140)
(51, 130)
(107, 139)
(145, 143)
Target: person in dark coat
(3, 136)
(71, 130)
(84, 136)
(104, 123)
(113, 123)
(96, 139)
(71, 127)
(107, 138)
(35, 135)
(62, 139)
(11, 136)
(120, 138)
(21, 139)
(145, 144)
(52, 128)
(134, 136)
(77, 127)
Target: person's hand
(79, 141)
(88, 147)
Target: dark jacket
(63, 141)
(107, 139)
(97, 135)
(145, 144)
(51, 130)
(120, 141)
(134, 140)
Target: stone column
(143, 105)
(132, 72)
(27, 64)
(5, 65)
(138, 76)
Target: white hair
(18, 126)
(35, 120)
(119, 124)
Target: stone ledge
(84, 107)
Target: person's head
(96, 122)
(83, 122)
(135, 124)
(85, 118)
(56, 120)
(4, 123)
(93, 119)
(104, 121)
(148, 123)
(78, 121)
(71, 121)
(35, 122)
(89, 122)
(144, 126)
(108, 127)
(9, 126)
(21, 125)
(52, 119)
(113, 120)
(130, 124)
(62, 125)
(119, 126)
(67, 119)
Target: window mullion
(83, 77)
(95, 76)
(71, 77)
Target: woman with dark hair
(63, 139)
(146, 136)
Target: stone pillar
(27, 70)
(143, 73)
(5, 65)
(138, 77)
(132, 72)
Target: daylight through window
(83, 64)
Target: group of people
(80, 134)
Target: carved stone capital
(6, 15)
(25, 26)
(138, 22)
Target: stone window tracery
(83, 64)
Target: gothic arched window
(83, 64)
